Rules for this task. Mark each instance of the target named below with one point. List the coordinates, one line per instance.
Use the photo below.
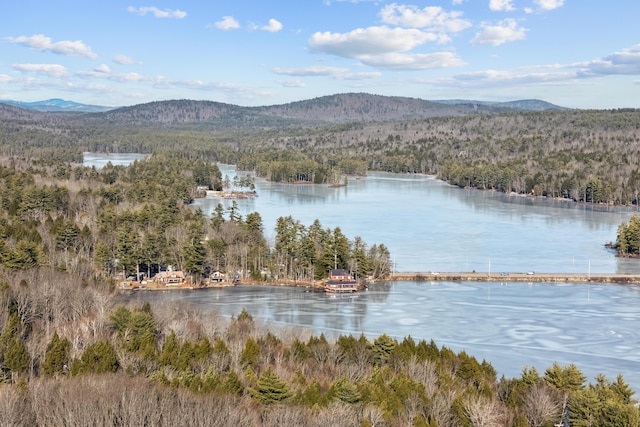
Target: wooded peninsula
(71, 355)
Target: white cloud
(333, 72)
(496, 78)
(43, 43)
(273, 26)
(53, 70)
(418, 61)
(503, 32)
(102, 68)
(124, 60)
(498, 5)
(292, 83)
(101, 72)
(369, 41)
(310, 71)
(626, 62)
(361, 76)
(549, 4)
(167, 13)
(432, 17)
(227, 23)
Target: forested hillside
(72, 354)
(586, 156)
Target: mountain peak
(58, 105)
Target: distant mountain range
(370, 107)
(56, 104)
(523, 104)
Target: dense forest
(583, 155)
(628, 237)
(71, 353)
(132, 220)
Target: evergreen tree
(345, 391)
(102, 257)
(67, 235)
(250, 354)
(382, 348)
(16, 356)
(566, 379)
(232, 384)
(170, 350)
(270, 389)
(57, 356)
(217, 217)
(127, 249)
(628, 236)
(97, 358)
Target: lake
(510, 325)
(431, 226)
(99, 160)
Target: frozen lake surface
(431, 226)
(510, 325)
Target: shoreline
(504, 277)
(516, 277)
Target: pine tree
(270, 389)
(97, 358)
(170, 350)
(17, 357)
(345, 391)
(250, 354)
(232, 384)
(57, 356)
(382, 348)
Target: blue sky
(574, 53)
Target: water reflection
(511, 324)
(100, 160)
(428, 225)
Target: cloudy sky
(574, 53)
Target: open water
(431, 226)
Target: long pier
(516, 277)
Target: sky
(573, 53)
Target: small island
(628, 238)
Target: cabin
(217, 276)
(341, 280)
(340, 275)
(170, 278)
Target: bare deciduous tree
(483, 412)
(540, 405)
(15, 407)
(374, 415)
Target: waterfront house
(340, 280)
(340, 275)
(170, 278)
(217, 276)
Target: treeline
(308, 253)
(628, 237)
(293, 166)
(155, 366)
(582, 155)
(71, 354)
(137, 220)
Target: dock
(517, 277)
